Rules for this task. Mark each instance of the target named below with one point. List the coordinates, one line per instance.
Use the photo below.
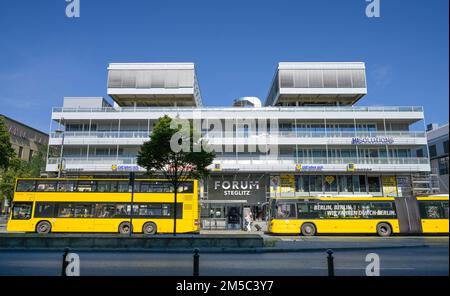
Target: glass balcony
(258, 159)
(237, 109)
(281, 134)
(102, 134)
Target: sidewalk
(3, 221)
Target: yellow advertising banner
(287, 183)
(389, 186)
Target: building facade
(309, 138)
(25, 140)
(437, 137)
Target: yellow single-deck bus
(351, 215)
(334, 215)
(102, 205)
(434, 213)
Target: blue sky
(235, 44)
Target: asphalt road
(432, 260)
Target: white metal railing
(102, 134)
(314, 134)
(279, 159)
(93, 160)
(293, 134)
(244, 109)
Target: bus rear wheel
(43, 227)
(149, 228)
(384, 229)
(124, 228)
(308, 229)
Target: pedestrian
(249, 221)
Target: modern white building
(325, 143)
(438, 137)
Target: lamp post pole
(60, 161)
(132, 200)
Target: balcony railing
(331, 134)
(259, 159)
(102, 134)
(243, 109)
(293, 134)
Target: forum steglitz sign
(373, 141)
(251, 189)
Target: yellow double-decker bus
(333, 215)
(356, 215)
(103, 205)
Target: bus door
(408, 214)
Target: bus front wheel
(308, 229)
(384, 229)
(124, 228)
(43, 227)
(149, 228)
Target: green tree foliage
(157, 156)
(20, 169)
(6, 150)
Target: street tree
(159, 157)
(6, 150)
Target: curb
(216, 250)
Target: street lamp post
(60, 161)
(132, 177)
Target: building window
(20, 153)
(419, 152)
(433, 152)
(359, 184)
(30, 155)
(316, 184)
(374, 184)
(330, 183)
(345, 184)
(446, 147)
(443, 166)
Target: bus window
(285, 211)
(432, 210)
(83, 211)
(186, 187)
(105, 210)
(22, 211)
(44, 210)
(123, 186)
(65, 210)
(106, 186)
(121, 210)
(86, 186)
(26, 186)
(143, 187)
(445, 208)
(383, 210)
(66, 186)
(46, 186)
(305, 211)
(150, 210)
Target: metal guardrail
(280, 160)
(293, 134)
(243, 109)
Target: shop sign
(373, 141)
(250, 188)
(308, 168)
(124, 168)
